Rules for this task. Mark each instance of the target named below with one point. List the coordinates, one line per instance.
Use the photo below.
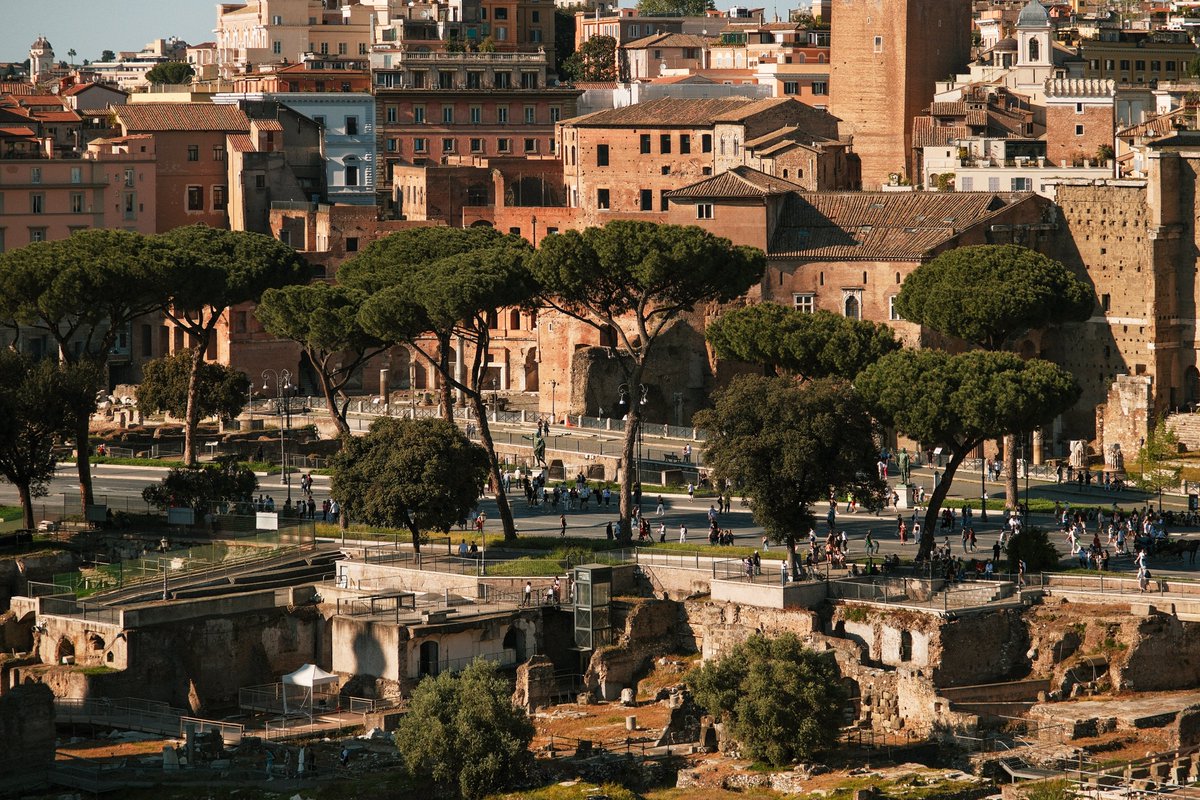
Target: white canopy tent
(310, 676)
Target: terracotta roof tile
(957, 109)
(885, 226)
(740, 181)
(267, 124)
(674, 111)
(80, 88)
(927, 134)
(241, 143)
(15, 130)
(667, 40)
(182, 117)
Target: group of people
(1084, 477)
(551, 595)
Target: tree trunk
(337, 414)
(192, 421)
(485, 436)
(628, 463)
(444, 369)
(928, 530)
(83, 463)
(26, 505)
(416, 536)
(1010, 471)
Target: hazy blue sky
(89, 26)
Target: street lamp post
(623, 409)
(283, 385)
(982, 483)
(553, 395)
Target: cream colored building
(283, 31)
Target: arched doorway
(428, 664)
(905, 646)
(1191, 387)
(515, 641)
(64, 649)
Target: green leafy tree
(1157, 459)
(1035, 548)
(39, 403)
(323, 320)
(960, 401)
(414, 474)
(82, 292)
(788, 446)
(204, 487)
(108, 55)
(636, 279)
(463, 733)
(595, 60)
(685, 8)
(210, 271)
(564, 39)
(221, 392)
(781, 701)
(817, 345)
(71, 55)
(989, 296)
(452, 298)
(171, 72)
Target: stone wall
(1127, 415)
(17, 571)
(26, 737)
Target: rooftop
(740, 181)
(182, 117)
(674, 111)
(667, 40)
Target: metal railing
(69, 607)
(231, 732)
(127, 714)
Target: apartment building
(284, 31)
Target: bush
(781, 701)
(462, 732)
(1034, 546)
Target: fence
(231, 732)
(131, 714)
(69, 607)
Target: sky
(90, 26)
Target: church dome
(1033, 15)
(42, 43)
(1007, 45)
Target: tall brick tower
(885, 56)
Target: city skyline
(89, 28)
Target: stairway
(982, 593)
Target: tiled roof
(241, 143)
(1161, 125)
(671, 111)
(927, 134)
(56, 116)
(182, 117)
(267, 124)
(884, 226)
(80, 88)
(958, 109)
(740, 181)
(17, 87)
(15, 130)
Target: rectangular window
(37, 203)
(76, 202)
(502, 115)
(447, 115)
(805, 303)
(993, 184)
(878, 44)
(218, 152)
(319, 119)
(477, 145)
(601, 155)
(418, 78)
(704, 211)
(529, 80)
(535, 16)
(193, 152)
(419, 115)
(503, 80)
(1109, 64)
(391, 113)
(129, 174)
(646, 200)
(476, 115)
(1139, 65)
(130, 202)
(1105, 302)
(35, 174)
(391, 145)
(351, 244)
(662, 200)
(260, 181)
(195, 198)
(420, 144)
(685, 143)
(664, 143)
(602, 199)
(362, 48)
(1079, 130)
(219, 200)
(892, 315)
(1124, 64)
(1022, 184)
(791, 87)
(445, 79)
(645, 143)
(500, 13)
(1156, 66)
(531, 146)
(504, 145)
(37, 234)
(277, 47)
(324, 48)
(1079, 108)
(447, 145)
(351, 176)
(555, 114)
(820, 87)
(966, 184)
(706, 143)
(77, 175)
(341, 48)
(474, 80)
(351, 126)
(530, 115)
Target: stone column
(1037, 447)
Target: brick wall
(1072, 135)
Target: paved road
(121, 488)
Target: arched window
(1034, 50)
(514, 320)
(853, 309)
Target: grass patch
(165, 463)
(10, 513)
(97, 670)
(776, 553)
(576, 791)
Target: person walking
(661, 508)
(562, 522)
(682, 533)
(527, 598)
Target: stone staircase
(966, 595)
(1186, 428)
